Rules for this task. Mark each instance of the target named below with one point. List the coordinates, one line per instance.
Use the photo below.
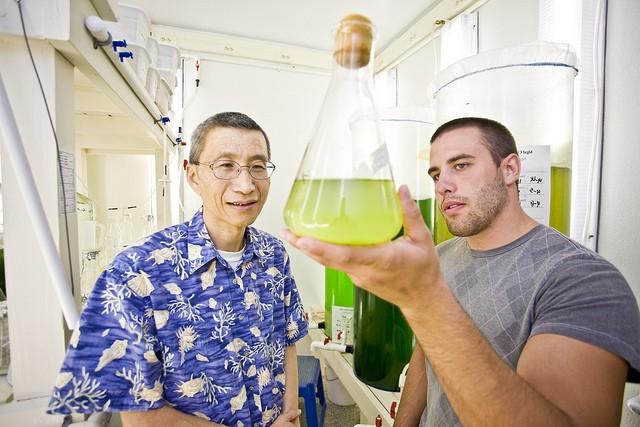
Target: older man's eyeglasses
(228, 169)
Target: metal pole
(14, 149)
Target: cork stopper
(354, 41)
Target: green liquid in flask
(344, 211)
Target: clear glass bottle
(344, 191)
(383, 340)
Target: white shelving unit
(370, 400)
(89, 94)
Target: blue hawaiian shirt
(170, 322)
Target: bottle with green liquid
(344, 191)
(338, 306)
(383, 340)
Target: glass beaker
(383, 340)
(344, 190)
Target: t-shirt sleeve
(297, 326)
(112, 362)
(590, 300)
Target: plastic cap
(97, 28)
(353, 41)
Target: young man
(516, 324)
(198, 324)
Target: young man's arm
(414, 392)
(559, 381)
(164, 417)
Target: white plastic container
(407, 131)
(336, 392)
(153, 49)
(153, 79)
(529, 89)
(170, 75)
(163, 96)
(140, 61)
(168, 56)
(116, 31)
(135, 23)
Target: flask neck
(359, 77)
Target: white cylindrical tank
(407, 131)
(529, 89)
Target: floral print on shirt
(169, 322)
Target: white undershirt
(233, 258)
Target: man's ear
(193, 178)
(511, 167)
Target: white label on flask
(535, 181)
(379, 159)
(67, 188)
(342, 324)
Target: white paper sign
(342, 324)
(535, 181)
(67, 188)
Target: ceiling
(306, 23)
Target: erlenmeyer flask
(344, 190)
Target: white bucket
(168, 56)
(140, 61)
(336, 392)
(170, 75)
(135, 23)
(163, 96)
(153, 49)
(153, 79)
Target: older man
(198, 324)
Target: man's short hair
(227, 119)
(495, 136)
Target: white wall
(285, 104)
(122, 180)
(506, 23)
(501, 23)
(620, 197)
(416, 73)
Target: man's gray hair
(224, 120)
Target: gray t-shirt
(542, 282)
